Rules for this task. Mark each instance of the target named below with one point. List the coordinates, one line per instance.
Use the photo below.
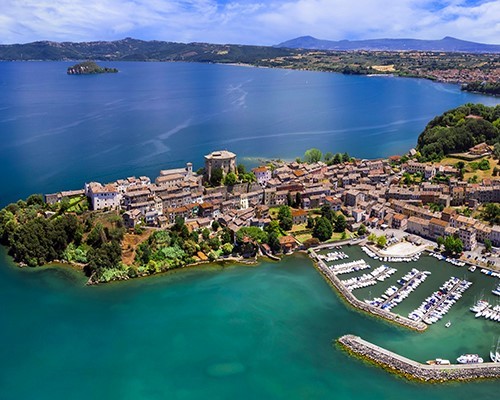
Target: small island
(89, 67)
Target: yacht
(448, 324)
(469, 359)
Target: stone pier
(414, 370)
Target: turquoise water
(59, 131)
(238, 332)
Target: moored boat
(469, 359)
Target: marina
(394, 295)
(436, 306)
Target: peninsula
(88, 68)
(135, 227)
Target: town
(369, 194)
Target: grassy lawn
(469, 172)
(302, 238)
(78, 204)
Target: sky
(261, 22)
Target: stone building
(222, 159)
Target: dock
(414, 370)
(360, 305)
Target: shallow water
(246, 332)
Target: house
(299, 217)
(399, 221)
(103, 196)
(288, 244)
(263, 175)
(418, 226)
(131, 218)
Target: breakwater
(351, 299)
(414, 370)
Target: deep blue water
(58, 131)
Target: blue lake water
(59, 131)
(240, 332)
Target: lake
(235, 332)
(59, 131)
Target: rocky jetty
(413, 370)
(89, 67)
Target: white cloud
(246, 21)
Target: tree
(381, 241)
(312, 155)
(205, 233)
(328, 156)
(453, 244)
(491, 213)
(215, 226)
(488, 245)
(230, 179)
(440, 241)
(227, 248)
(274, 242)
(310, 223)
(337, 159)
(225, 236)
(285, 218)
(35, 199)
(241, 169)
(216, 177)
(496, 150)
(372, 237)
(322, 229)
(340, 223)
(362, 230)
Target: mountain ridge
(446, 44)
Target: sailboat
(495, 355)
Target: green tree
(381, 241)
(453, 244)
(216, 177)
(488, 246)
(205, 233)
(328, 157)
(35, 199)
(322, 229)
(312, 155)
(215, 226)
(274, 242)
(440, 241)
(241, 169)
(230, 179)
(338, 159)
(372, 237)
(227, 248)
(362, 230)
(340, 223)
(285, 218)
(491, 213)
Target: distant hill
(139, 50)
(447, 44)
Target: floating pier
(351, 299)
(414, 370)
